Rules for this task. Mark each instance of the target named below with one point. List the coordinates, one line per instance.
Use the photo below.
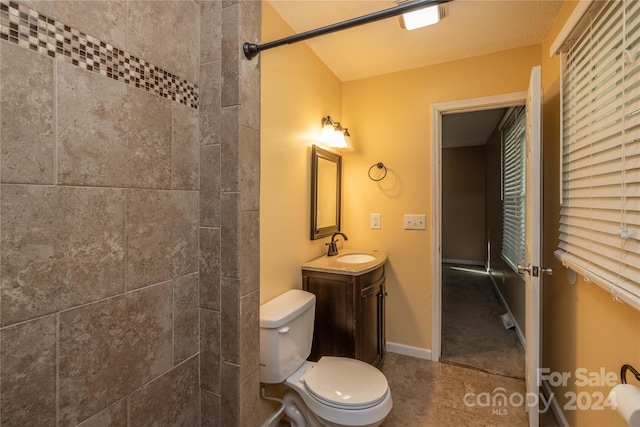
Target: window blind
(600, 209)
(513, 187)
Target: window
(513, 186)
(600, 207)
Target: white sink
(355, 258)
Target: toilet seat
(346, 383)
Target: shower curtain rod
(251, 49)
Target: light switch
(415, 222)
(375, 221)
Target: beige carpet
(472, 333)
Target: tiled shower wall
(129, 216)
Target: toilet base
(317, 414)
(301, 416)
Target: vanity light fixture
(334, 135)
(328, 131)
(422, 17)
(347, 139)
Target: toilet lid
(346, 383)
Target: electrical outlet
(415, 222)
(374, 221)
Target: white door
(533, 242)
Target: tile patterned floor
(429, 394)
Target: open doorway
(468, 292)
(478, 330)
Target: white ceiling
(472, 28)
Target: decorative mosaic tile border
(29, 29)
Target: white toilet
(335, 391)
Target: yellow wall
(297, 91)
(583, 326)
(389, 120)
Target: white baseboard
(462, 262)
(555, 406)
(506, 306)
(407, 350)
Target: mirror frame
(319, 153)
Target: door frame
(437, 111)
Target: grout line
(56, 139)
(173, 322)
(0, 235)
(171, 125)
(125, 260)
(97, 187)
(57, 369)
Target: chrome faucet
(333, 248)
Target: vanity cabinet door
(370, 335)
(333, 328)
(349, 317)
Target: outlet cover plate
(375, 221)
(415, 222)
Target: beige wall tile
(210, 105)
(230, 149)
(210, 268)
(210, 408)
(231, 52)
(210, 186)
(162, 236)
(210, 350)
(250, 334)
(250, 400)
(28, 373)
(186, 318)
(230, 400)
(210, 31)
(185, 146)
(249, 169)
(251, 23)
(230, 245)
(113, 416)
(230, 316)
(249, 257)
(239, 329)
(170, 400)
(166, 34)
(81, 14)
(111, 134)
(250, 95)
(110, 348)
(27, 116)
(60, 247)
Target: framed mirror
(326, 182)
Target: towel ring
(379, 165)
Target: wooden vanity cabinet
(349, 318)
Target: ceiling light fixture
(422, 17)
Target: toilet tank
(286, 333)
